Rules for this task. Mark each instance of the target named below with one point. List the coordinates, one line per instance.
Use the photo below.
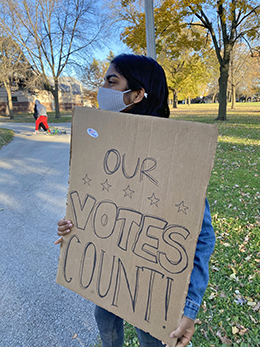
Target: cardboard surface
(136, 198)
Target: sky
(115, 46)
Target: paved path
(34, 310)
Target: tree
(227, 22)
(170, 31)
(53, 34)
(196, 76)
(177, 47)
(188, 75)
(248, 79)
(13, 67)
(240, 62)
(129, 20)
(93, 76)
(244, 73)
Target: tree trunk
(223, 81)
(56, 98)
(175, 98)
(9, 99)
(233, 97)
(189, 100)
(233, 87)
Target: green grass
(65, 116)
(6, 136)
(230, 313)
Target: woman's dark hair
(144, 72)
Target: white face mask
(111, 99)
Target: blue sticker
(92, 132)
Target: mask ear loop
(126, 91)
(129, 90)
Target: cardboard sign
(136, 198)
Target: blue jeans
(111, 329)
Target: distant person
(35, 114)
(40, 115)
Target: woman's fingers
(64, 228)
(63, 232)
(63, 222)
(58, 241)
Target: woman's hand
(184, 332)
(64, 228)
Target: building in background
(70, 95)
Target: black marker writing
(112, 162)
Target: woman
(137, 84)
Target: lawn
(230, 313)
(6, 136)
(65, 116)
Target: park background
(192, 58)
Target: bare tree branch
(53, 32)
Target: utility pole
(150, 33)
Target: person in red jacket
(41, 114)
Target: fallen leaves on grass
(235, 330)
(239, 329)
(253, 319)
(239, 298)
(224, 339)
(256, 307)
(229, 314)
(251, 303)
(212, 296)
(204, 333)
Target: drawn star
(153, 200)
(128, 192)
(182, 207)
(86, 180)
(106, 185)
